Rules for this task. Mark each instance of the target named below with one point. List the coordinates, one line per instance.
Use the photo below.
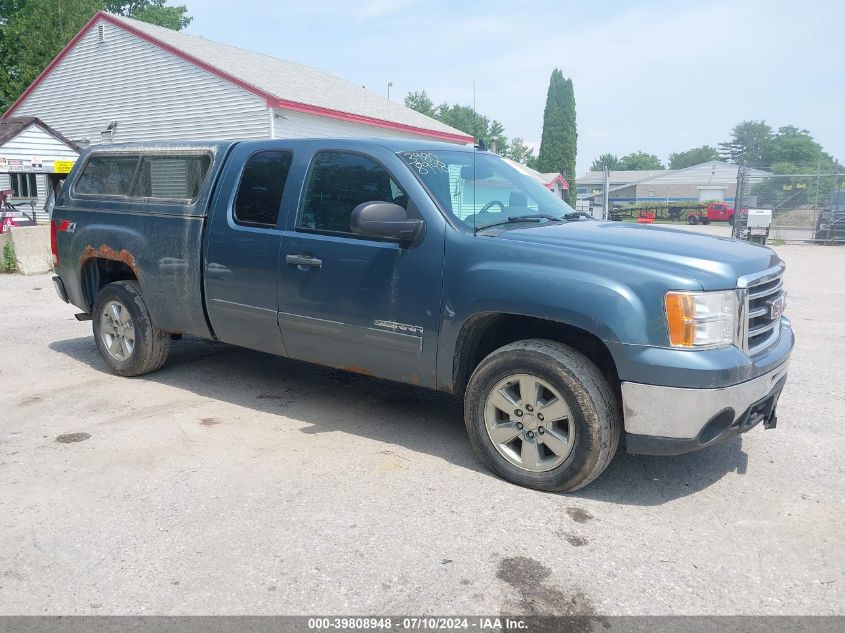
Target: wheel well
(485, 333)
(98, 272)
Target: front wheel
(540, 414)
(126, 337)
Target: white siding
(290, 124)
(34, 143)
(154, 95)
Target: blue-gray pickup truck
(435, 265)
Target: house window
(24, 185)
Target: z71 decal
(402, 328)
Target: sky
(652, 75)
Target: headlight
(702, 319)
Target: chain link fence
(803, 207)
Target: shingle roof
(12, 126)
(289, 81)
(618, 176)
(546, 178)
(709, 172)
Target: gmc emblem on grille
(776, 307)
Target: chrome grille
(762, 291)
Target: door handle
(304, 261)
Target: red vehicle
(714, 212)
(10, 215)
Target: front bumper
(672, 420)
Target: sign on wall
(36, 164)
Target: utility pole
(737, 228)
(389, 86)
(605, 211)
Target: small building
(713, 180)
(123, 80)
(592, 183)
(34, 161)
(552, 181)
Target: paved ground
(233, 482)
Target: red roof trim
(272, 100)
(559, 178)
(367, 120)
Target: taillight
(54, 242)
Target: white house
(34, 160)
(552, 181)
(122, 80)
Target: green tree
(694, 156)
(558, 145)
(421, 102)
(466, 119)
(611, 161)
(795, 151)
(33, 32)
(639, 160)
(497, 141)
(463, 118)
(521, 153)
(750, 143)
(152, 11)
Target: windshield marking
(425, 162)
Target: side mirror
(384, 220)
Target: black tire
(151, 345)
(705, 221)
(693, 219)
(594, 408)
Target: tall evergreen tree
(559, 143)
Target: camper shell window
(143, 176)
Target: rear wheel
(541, 415)
(692, 219)
(126, 337)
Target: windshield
(479, 189)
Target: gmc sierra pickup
(434, 265)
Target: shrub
(8, 264)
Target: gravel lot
(233, 482)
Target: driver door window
(338, 182)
